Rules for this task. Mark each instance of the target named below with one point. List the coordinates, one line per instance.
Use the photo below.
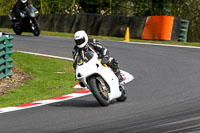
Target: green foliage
(6, 6)
(94, 6)
(123, 7)
(44, 6)
(52, 6)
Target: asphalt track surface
(164, 97)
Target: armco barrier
(5, 22)
(5, 59)
(94, 24)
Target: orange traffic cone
(127, 36)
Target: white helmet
(81, 38)
(24, 1)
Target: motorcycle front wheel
(99, 91)
(36, 28)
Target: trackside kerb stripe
(60, 98)
(84, 91)
(27, 105)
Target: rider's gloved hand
(22, 15)
(114, 63)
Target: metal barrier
(5, 59)
(183, 30)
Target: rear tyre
(100, 92)
(17, 30)
(123, 96)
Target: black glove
(22, 15)
(114, 64)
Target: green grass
(70, 35)
(46, 82)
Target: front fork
(32, 23)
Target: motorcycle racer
(18, 7)
(84, 44)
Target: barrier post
(5, 59)
(183, 31)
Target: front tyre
(36, 28)
(99, 91)
(123, 96)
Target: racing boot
(114, 65)
(118, 74)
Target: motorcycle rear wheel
(17, 30)
(99, 93)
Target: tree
(94, 6)
(52, 6)
(6, 6)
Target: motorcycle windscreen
(30, 10)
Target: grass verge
(70, 35)
(51, 78)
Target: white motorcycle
(99, 79)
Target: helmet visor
(80, 41)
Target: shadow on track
(79, 103)
(76, 103)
